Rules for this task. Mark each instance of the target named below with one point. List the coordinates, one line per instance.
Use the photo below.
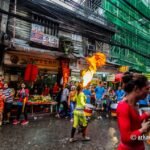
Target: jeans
(72, 107)
(65, 108)
(20, 112)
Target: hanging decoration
(65, 71)
(31, 73)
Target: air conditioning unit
(91, 47)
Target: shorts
(79, 119)
(8, 107)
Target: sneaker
(86, 138)
(6, 121)
(57, 116)
(71, 140)
(71, 120)
(107, 116)
(15, 122)
(24, 122)
(99, 117)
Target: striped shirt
(7, 92)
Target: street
(52, 134)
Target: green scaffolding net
(132, 40)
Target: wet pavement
(53, 134)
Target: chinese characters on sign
(37, 33)
(38, 36)
(50, 41)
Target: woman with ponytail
(131, 125)
(79, 116)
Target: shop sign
(37, 33)
(123, 69)
(18, 60)
(111, 77)
(51, 41)
(38, 36)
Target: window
(50, 27)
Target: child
(106, 105)
(93, 97)
(8, 102)
(22, 107)
(2, 98)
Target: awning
(22, 47)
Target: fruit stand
(40, 101)
(37, 100)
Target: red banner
(65, 71)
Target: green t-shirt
(80, 100)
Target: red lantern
(27, 74)
(118, 77)
(34, 73)
(31, 72)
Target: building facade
(45, 32)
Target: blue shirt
(120, 94)
(99, 92)
(148, 98)
(87, 93)
(143, 102)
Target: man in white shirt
(64, 100)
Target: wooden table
(52, 105)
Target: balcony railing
(82, 11)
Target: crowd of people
(72, 99)
(99, 95)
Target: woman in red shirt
(131, 125)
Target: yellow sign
(124, 69)
(24, 59)
(147, 75)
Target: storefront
(15, 65)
